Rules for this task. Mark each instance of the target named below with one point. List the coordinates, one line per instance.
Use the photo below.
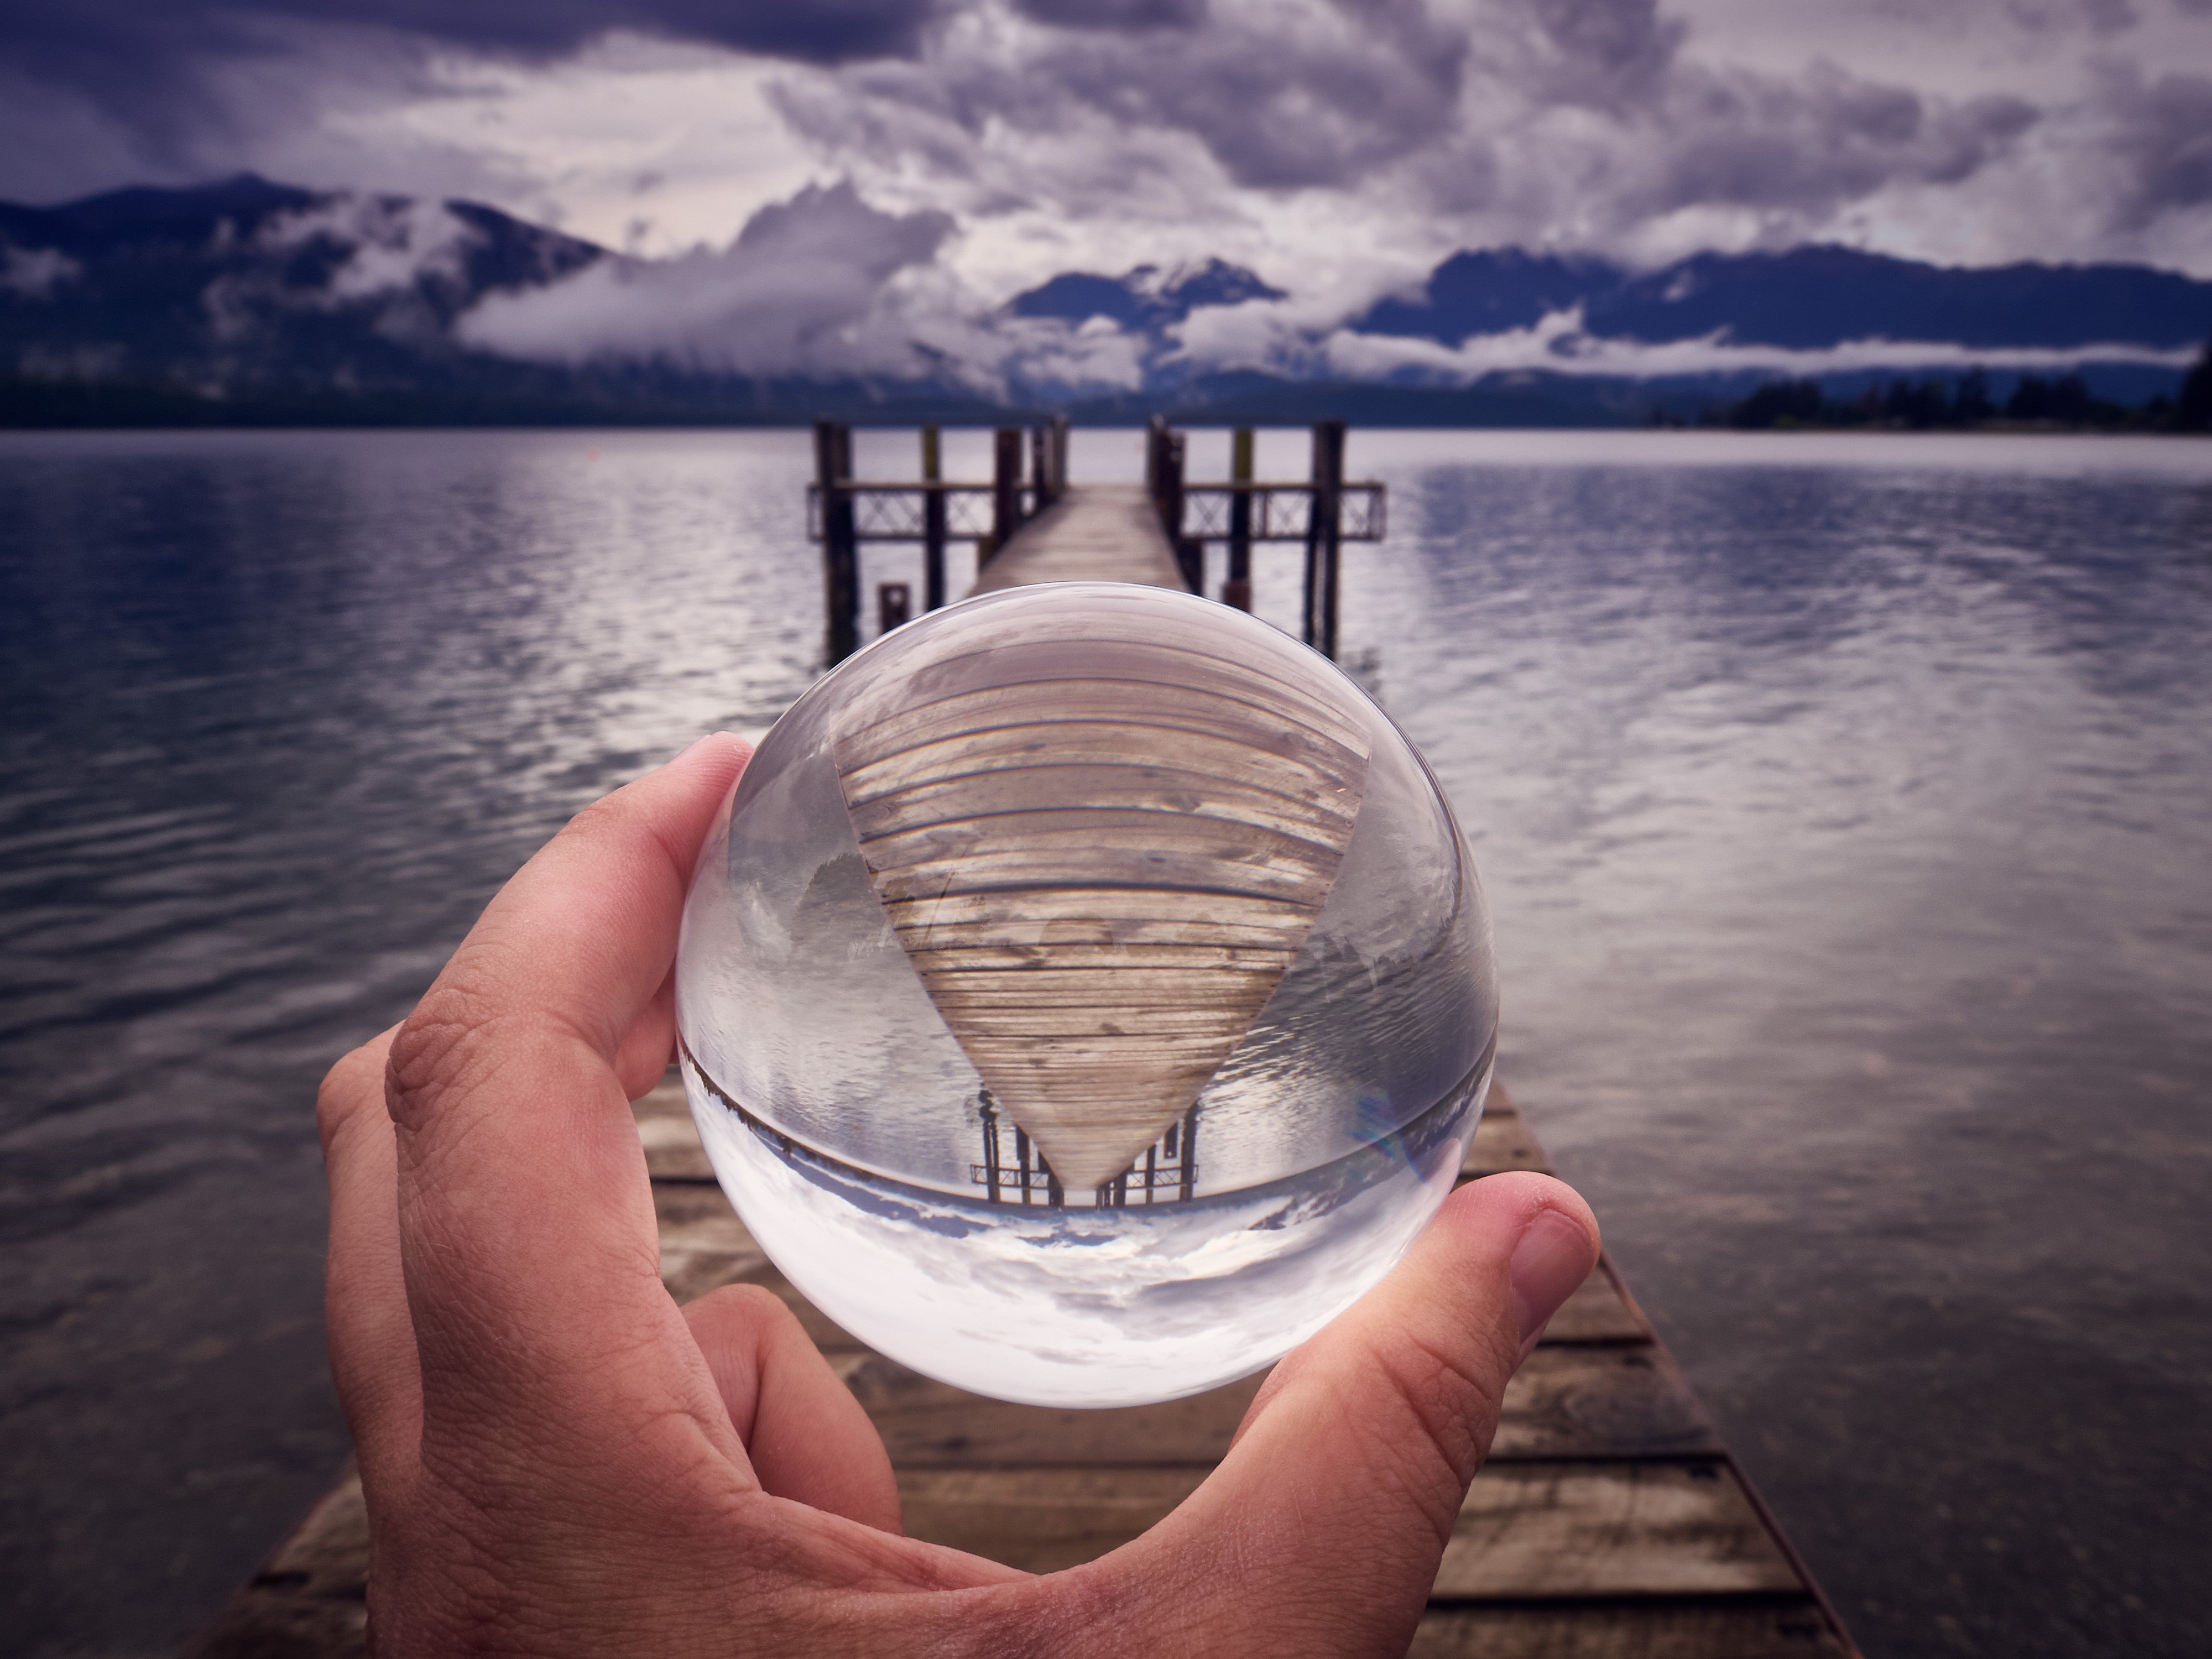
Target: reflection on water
(1844, 805)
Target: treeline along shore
(1937, 403)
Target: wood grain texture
(1500, 1142)
(1531, 1531)
(1102, 852)
(1093, 533)
(1599, 1311)
(1527, 1531)
(1731, 1628)
(929, 1425)
(1569, 1401)
(1039, 1520)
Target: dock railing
(842, 512)
(1324, 512)
(1320, 513)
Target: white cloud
(1271, 337)
(1339, 149)
(34, 273)
(821, 284)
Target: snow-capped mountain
(246, 282)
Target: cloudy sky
(1327, 145)
(856, 185)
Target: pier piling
(1324, 536)
(932, 522)
(1005, 487)
(840, 542)
(1236, 590)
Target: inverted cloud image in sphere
(1087, 995)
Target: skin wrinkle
(1444, 1391)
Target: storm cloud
(931, 157)
(821, 284)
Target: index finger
(526, 1224)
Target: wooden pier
(1094, 533)
(1056, 531)
(1609, 1522)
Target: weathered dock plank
(1527, 1532)
(1647, 1527)
(1093, 532)
(1717, 1627)
(1501, 1141)
(310, 1600)
(1608, 1521)
(1569, 1401)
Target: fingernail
(1552, 1258)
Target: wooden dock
(1108, 536)
(1609, 1522)
(1093, 533)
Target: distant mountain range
(1806, 299)
(1146, 300)
(248, 301)
(252, 283)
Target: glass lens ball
(1087, 995)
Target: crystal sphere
(1086, 994)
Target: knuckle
(435, 1047)
(1449, 1402)
(758, 1306)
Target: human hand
(560, 1460)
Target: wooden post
(840, 543)
(1058, 455)
(933, 521)
(1005, 487)
(1190, 553)
(1040, 469)
(894, 606)
(1238, 589)
(990, 1146)
(1171, 484)
(1324, 531)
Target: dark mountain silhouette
(1491, 292)
(1808, 298)
(247, 281)
(1146, 300)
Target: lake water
(1845, 804)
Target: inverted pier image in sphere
(1087, 995)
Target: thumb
(1321, 1530)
